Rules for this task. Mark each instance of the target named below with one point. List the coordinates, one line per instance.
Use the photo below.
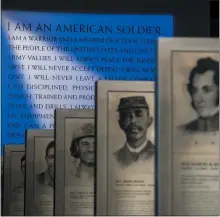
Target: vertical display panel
(75, 162)
(40, 154)
(125, 148)
(188, 127)
(13, 179)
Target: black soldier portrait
(82, 149)
(17, 193)
(20, 188)
(134, 120)
(47, 177)
(203, 88)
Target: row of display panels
(147, 148)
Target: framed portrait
(39, 194)
(75, 162)
(13, 180)
(125, 148)
(188, 126)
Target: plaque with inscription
(55, 64)
(188, 127)
(75, 162)
(14, 175)
(39, 190)
(125, 148)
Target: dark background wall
(191, 15)
(214, 21)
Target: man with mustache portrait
(134, 120)
(203, 88)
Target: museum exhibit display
(52, 56)
(188, 126)
(13, 179)
(45, 47)
(39, 189)
(51, 61)
(125, 148)
(75, 162)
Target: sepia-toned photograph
(198, 131)
(131, 129)
(77, 140)
(195, 101)
(126, 133)
(20, 187)
(81, 161)
(196, 88)
(40, 149)
(46, 175)
(203, 90)
(188, 129)
(14, 175)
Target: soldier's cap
(132, 102)
(87, 129)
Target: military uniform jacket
(126, 158)
(210, 124)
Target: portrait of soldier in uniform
(83, 149)
(20, 187)
(47, 177)
(203, 88)
(134, 120)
